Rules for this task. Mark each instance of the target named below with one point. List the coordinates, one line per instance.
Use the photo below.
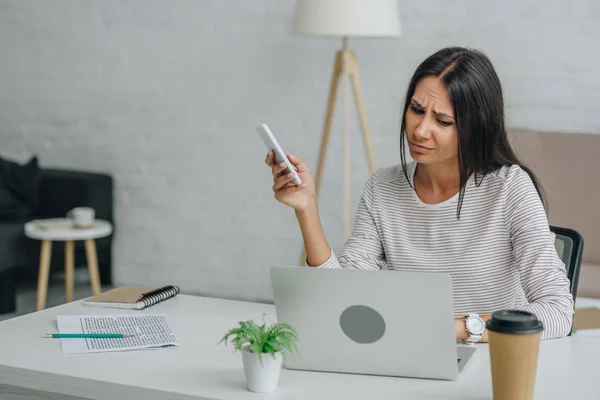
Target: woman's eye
(416, 110)
(419, 111)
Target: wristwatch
(475, 327)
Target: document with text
(149, 332)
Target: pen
(86, 335)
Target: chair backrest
(569, 246)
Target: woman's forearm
(317, 248)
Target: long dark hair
(477, 99)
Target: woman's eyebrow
(439, 114)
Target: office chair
(569, 246)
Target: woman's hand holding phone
(299, 197)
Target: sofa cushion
(567, 166)
(19, 189)
(11, 253)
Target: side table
(63, 231)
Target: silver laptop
(378, 323)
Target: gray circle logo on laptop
(362, 324)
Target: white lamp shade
(377, 18)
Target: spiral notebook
(132, 297)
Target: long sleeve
(541, 271)
(363, 250)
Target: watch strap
(473, 338)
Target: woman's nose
(423, 129)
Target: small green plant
(263, 339)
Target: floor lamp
(344, 19)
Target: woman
(465, 206)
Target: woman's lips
(418, 148)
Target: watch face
(475, 325)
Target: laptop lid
(382, 323)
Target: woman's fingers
(278, 169)
(281, 181)
(289, 189)
(270, 160)
(298, 163)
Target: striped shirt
(500, 253)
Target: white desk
(35, 368)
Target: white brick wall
(164, 95)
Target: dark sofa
(58, 191)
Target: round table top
(63, 229)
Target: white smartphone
(271, 143)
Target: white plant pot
(261, 378)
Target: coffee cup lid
(514, 322)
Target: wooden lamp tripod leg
(362, 114)
(345, 63)
(337, 70)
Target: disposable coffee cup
(514, 338)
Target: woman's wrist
(315, 243)
(460, 325)
(310, 210)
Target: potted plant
(262, 348)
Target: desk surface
(199, 369)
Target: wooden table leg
(45, 254)
(69, 270)
(92, 259)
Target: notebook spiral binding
(158, 297)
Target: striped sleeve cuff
(331, 262)
(556, 323)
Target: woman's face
(430, 124)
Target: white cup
(82, 217)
